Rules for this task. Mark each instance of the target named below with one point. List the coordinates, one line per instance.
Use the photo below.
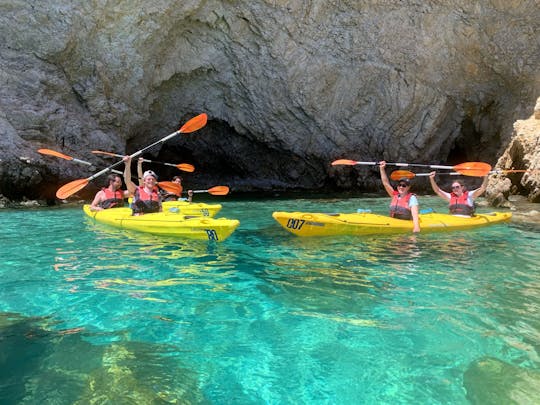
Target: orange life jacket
(399, 207)
(144, 203)
(460, 205)
(112, 198)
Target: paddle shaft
(134, 155)
(144, 160)
(405, 165)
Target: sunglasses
(455, 187)
(402, 185)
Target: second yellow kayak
(319, 224)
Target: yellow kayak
(167, 223)
(187, 208)
(365, 223)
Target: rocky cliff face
(523, 153)
(288, 86)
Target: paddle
(186, 167)
(51, 152)
(467, 169)
(216, 190)
(170, 187)
(72, 187)
(399, 174)
(54, 153)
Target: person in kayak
(146, 198)
(166, 195)
(460, 200)
(404, 204)
(111, 196)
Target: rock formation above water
(288, 87)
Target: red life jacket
(460, 205)
(112, 198)
(144, 203)
(399, 207)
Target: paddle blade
(345, 162)
(474, 169)
(194, 124)
(219, 190)
(399, 174)
(54, 153)
(186, 167)
(170, 187)
(71, 188)
(100, 152)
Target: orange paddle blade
(100, 152)
(71, 188)
(399, 174)
(170, 187)
(186, 167)
(194, 124)
(51, 152)
(219, 190)
(346, 162)
(474, 169)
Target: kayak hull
(166, 223)
(319, 224)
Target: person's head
(177, 179)
(403, 185)
(149, 178)
(458, 187)
(114, 180)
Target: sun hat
(149, 173)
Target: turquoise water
(89, 314)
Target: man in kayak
(111, 196)
(460, 201)
(166, 195)
(146, 198)
(404, 204)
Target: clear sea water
(89, 314)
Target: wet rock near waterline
(288, 87)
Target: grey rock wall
(288, 86)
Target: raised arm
(386, 183)
(127, 175)
(480, 190)
(436, 188)
(140, 171)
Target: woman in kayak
(460, 201)
(111, 196)
(169, 196)
(404, 204)
(146, 198)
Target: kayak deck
(166, 223)
(187, 208)
(320, 224)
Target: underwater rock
(492, 381)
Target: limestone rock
(522, 153)
(288, 86)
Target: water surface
(90, 313)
